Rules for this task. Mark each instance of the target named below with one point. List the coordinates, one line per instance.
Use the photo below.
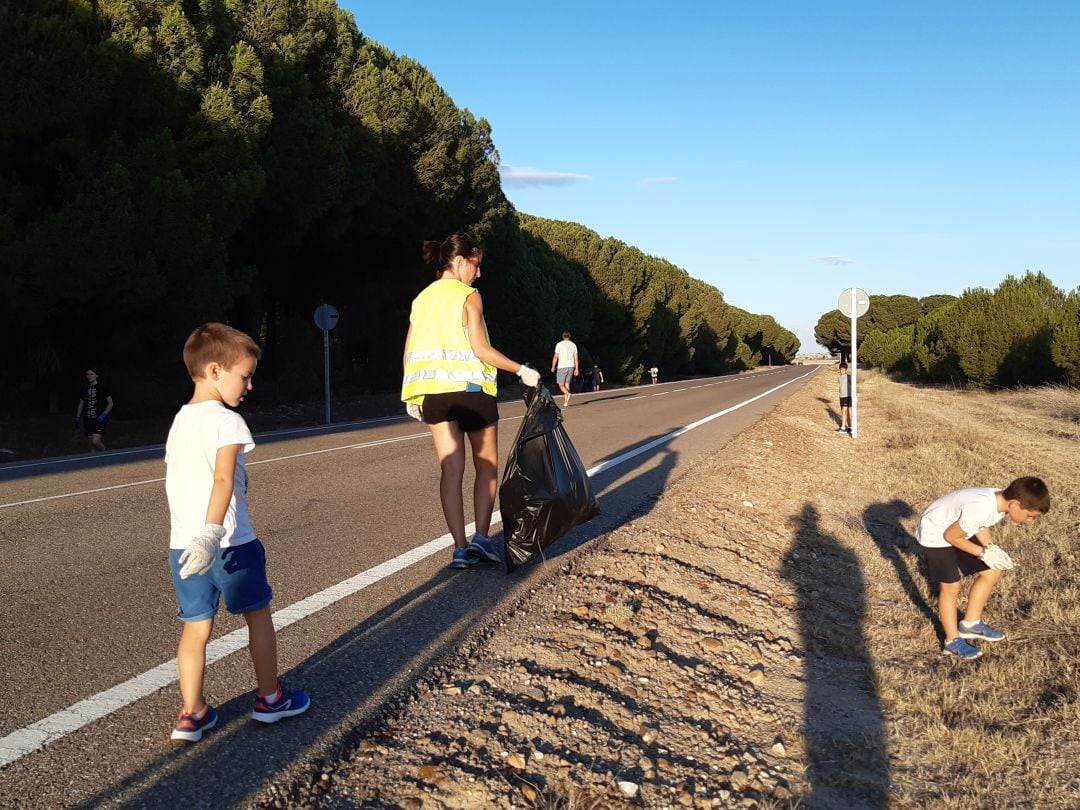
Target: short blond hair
(217, 343)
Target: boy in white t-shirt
(954, 533)
(213, 550)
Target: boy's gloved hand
(199, 555)
(78, 421)
(530, 377)
(415, 411)
(995, 557)
(101, 419)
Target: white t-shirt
(190, 453)
(975, 508)
(567, 352)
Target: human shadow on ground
(844, 728)
(367, 674)
(882, 522)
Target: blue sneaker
(980, 630)
(290, 704)
(961, 649)
(482, 548)
(190, 728)
(463, 559)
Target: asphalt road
(86, 605)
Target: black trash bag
(545, 491)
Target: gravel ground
(663, 666)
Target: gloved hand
(78, 421)
(530, 377)
(199, 555)
(101, 418)
(995, 557)
(415, 411)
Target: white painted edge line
(38, 734)
(662, 394)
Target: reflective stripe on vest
(440, 359)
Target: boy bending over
(954, 533)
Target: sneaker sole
(192, 736)
(263, 717)
(962, 657)
(964, 635)
(482, 556)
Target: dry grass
(1003, 731)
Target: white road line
(50, 729)
(662, 394)
(631, 399)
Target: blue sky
(781, 151)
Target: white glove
(995, 557)
(530, 377)
(200, 553)
(414, 411)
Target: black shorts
(472, 410)
(92, 426)
(845, 402)
(948, 565)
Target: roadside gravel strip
(663, 665)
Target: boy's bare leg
(980, 592)
(262, 642)
(450, 449)
(948, 594)
(485, 454)
(191, 661)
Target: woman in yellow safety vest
(449, 385)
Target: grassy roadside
(763, 636)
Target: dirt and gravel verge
(662, 665)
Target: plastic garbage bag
(545, 491)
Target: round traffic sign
(862, 302)
(326, 317)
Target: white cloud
(835, 260)
(660, 181)
(514, 176)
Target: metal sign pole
(326, 372)
(854, 369)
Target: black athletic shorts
(472, 410)
(845, 402)
(948, 565)
(93, 426)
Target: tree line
(168, 162)
(1024, 332)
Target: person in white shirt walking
(564, 365)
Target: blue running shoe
(980, 630)
(290, 704)
(190, 727)
(961, 649)
(482, 548)
(463, 559)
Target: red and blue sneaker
(289, 703)
(190, 727)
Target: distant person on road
(449, 385)
(93, 410)
(564, 365)
(654, 372)
(597, 377)
(213, 550)
(844, 375)
(954, 533)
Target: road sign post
(854, 303)
(326, 318)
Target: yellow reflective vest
(440, 359)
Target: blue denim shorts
(238, 574)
